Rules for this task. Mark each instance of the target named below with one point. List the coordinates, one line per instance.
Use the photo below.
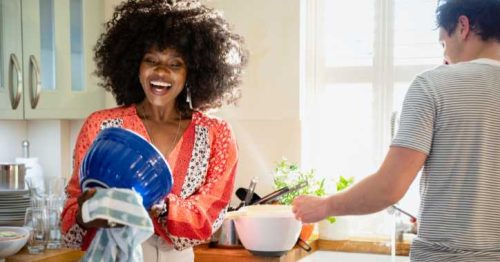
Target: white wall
(266, 121)
(49, 142)
(12, 133)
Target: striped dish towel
(121, 206)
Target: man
(450, 126)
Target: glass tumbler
(36, 220)
(54, 207)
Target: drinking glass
(35, 219)
(54, 207)
(54, 186)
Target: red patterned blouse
(203, 164)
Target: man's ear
(463, 27)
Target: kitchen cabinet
(46, 58)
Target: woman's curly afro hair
(214, 55)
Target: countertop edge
(203, 253)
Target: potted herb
(289, 174)
(286, 173)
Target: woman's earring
(188, 97)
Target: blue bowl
(123, 159)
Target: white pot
(267, 230)
(340, 230)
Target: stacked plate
(13, 204)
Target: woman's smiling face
(162, 75)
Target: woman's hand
(96, 223)
(159, 212)
(310, 209)
(156, 210)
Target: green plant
(289, 174)
(341, 184)
(344, 183)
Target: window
(359, 59)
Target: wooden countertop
(364, 245)
(50, 255)
(203, 253)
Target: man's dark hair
(484, 16)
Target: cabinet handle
(15, 94)
(35, 83)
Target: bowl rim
(25, 233)
(92, 180)
(266, 211)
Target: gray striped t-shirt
(452, 113)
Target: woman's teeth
(160, 84)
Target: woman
(167, 62)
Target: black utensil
(273, 195)
(303, 244)
(270, 197)
(242, 192)
(247, 199)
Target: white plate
(15, 205)
(4, 192)
(13, 218)
(15, 202)
(8, 201)
(10, 197)
(18, 205)
(14, 211)
(10, 216)
(12, 223)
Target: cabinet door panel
(32, 50)
(52, 42)
(10, 58)
(74, 93)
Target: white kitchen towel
(123, 244)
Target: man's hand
(310, 209)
